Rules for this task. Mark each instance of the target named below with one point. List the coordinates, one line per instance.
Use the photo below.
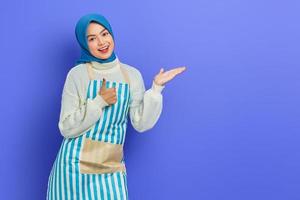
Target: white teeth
(103, 48)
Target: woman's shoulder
(77, 69)
(132, 71)
(78, 72)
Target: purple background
(230, 124)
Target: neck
(105, 66)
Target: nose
(100, 40)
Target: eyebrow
(95, 35)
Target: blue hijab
(80, 31)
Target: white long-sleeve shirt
(78, 113)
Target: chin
(103, 57)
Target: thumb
(161, 70)
(103, 87)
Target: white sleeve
(145, 106)
(78, 114)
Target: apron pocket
(99, 157)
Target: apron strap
(125, 75)
(123, 70)
(90, 71)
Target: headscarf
(81, 33)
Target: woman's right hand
(108, 94)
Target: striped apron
(92, 165)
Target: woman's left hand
(163, 77)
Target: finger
(112, 100)
(179, 69)
(111, 90)
(182, 68)
(176, 73)
(169, 75)
(103, 87)
(176, 70)
(111, 95)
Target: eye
(105, 34)
(91, 39)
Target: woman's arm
(78, 114)
(146, 106)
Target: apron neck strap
(90, 71)
(92, 77)
(125, 74)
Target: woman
(98, 94)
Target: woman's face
(100, 41)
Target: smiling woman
(98, 94)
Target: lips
(104, 49)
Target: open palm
(163, 77)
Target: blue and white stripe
(65, 180)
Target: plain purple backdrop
(229, 129)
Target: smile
(103, 48)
